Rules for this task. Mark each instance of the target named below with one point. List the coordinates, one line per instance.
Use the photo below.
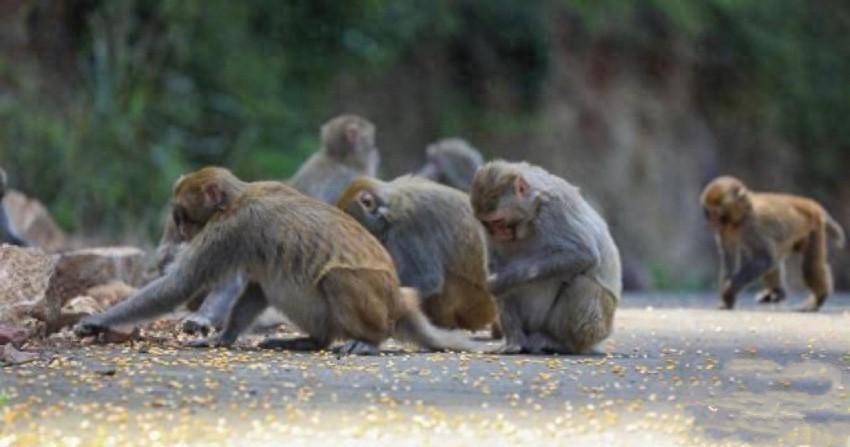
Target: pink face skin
(498, 226)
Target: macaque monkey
(555, 270)
(7, 233)
(311, 261)
(347, 151)
(452, 162)
(755, 232)
(435, 241)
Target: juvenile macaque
(311, 261)
(435, 241)
(555, 270)
(452, 162)
(755, 232)
(347, 151)
(7, 233)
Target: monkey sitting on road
(435, 241)
(452, 162)
(7, 233)
(347, 151)
(755, 232)
(311, 261)
(555, 270)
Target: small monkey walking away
(555, 268)
(311, 261)
(755, 232)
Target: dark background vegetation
(103, 103)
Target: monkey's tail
(414, 326)
(834, 229)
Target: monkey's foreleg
(564, 264)
(748, 273)
(511, 325)
(157, 298)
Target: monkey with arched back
(555, 269)
(756, 231)
(7, 233)
(435, 241)
(311, 261)
(347, 151)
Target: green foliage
(163, 86)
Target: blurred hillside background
(103, 103)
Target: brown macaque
(435, 241)
(347, 151)
(452, 162)
(755, 232)
(555, 270)
(8, 235)
(311, 261)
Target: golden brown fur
(309, 260)
(755, 232)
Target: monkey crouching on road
(314, 263)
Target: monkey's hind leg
(774, 282)
(215, 308)
(582, 317)
(360, 306)
(816, 272)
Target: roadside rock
(33, 222)
(35, 284)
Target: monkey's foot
(811, 305)
(357, 347)
(208, 342)
(507, 349)
(291, 344)
(496, 331)
(768, 296)
(197, 324)
(725, 306)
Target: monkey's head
(726, 201)
(350, 139)
(198, 196)
(504, 201)
(364, 201)
(453, 162)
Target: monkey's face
(370, 210)
(725, 202)
(507, 213)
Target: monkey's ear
(352, 135)
(521, 187)
(213, 195)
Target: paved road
(677, 372)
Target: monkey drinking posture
(555, 270)
(435, 241)
(347, 151)
(7, 233)
(755, 232)
(311, 261)
(452, 162)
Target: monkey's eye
(367, 201)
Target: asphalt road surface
(676, 372)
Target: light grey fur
(557, 287)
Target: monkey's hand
(208, 342)
(506, 349)
(495, 283)
(90, 326)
